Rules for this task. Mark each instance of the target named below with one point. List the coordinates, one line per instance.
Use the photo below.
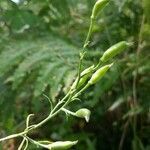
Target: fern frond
(11, 56)
(43, 78)
(57, 77)
(48, 58)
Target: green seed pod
(61, 145)
(83, 113)
(99, 74)
(114, 50)
(85, 74)
(87, 70)
(81, 82)
(99, 5)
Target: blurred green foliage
(39, 47)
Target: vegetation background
(40, 42)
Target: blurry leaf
(146, 5)
(134, 111)
(16, 1)
(116, 104)
(107, 82)
(137, 144)
(20, 20)
(69, 80)
(49, 58)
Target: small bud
(99, 5)
(83, 113)
(61, 145)
(99, 74)
(114, 50)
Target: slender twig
(124, 134)
(22, 143)
(86, 43)
(82, 90)
(136, 73)
(107, 31)
(24, 138)
(61, 101)
(137, 59)
(79, 68)
(13, 136)
(89, 33)
(68, 112)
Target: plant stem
(54, 113)
(60, 102)
(83, 89)
(51, 115)
(35, 142)
(136, 73)
(89, 33)
(79, 69)
(124, 134)
(22, 143)
(84, 49)
(13, 136)
(66, 103)
(99, 64)
(68, 112)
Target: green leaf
(45, 60)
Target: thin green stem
(54, 113)
(89, 33)
(66, 103)
(135, 103)
(98, 65)
(24, 138)
(84, 49)
(13, 136)
(82, 90)
(68, 111)
(61, 101)
(35, 142)
(22, 143)
(33, 126)
(79, 70)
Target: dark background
(40, 42)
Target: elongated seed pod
(81, 82)
(87, 70)
(85, 74)
(61, 145)
(99, 74)
(83, 113)
(99, 5)
(114, 50)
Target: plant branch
(136, 73)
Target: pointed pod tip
(110, 65)
(99, 5)
(87, 118)
(84, 113)
(92, 66)
(75, 142)
(61, 145)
